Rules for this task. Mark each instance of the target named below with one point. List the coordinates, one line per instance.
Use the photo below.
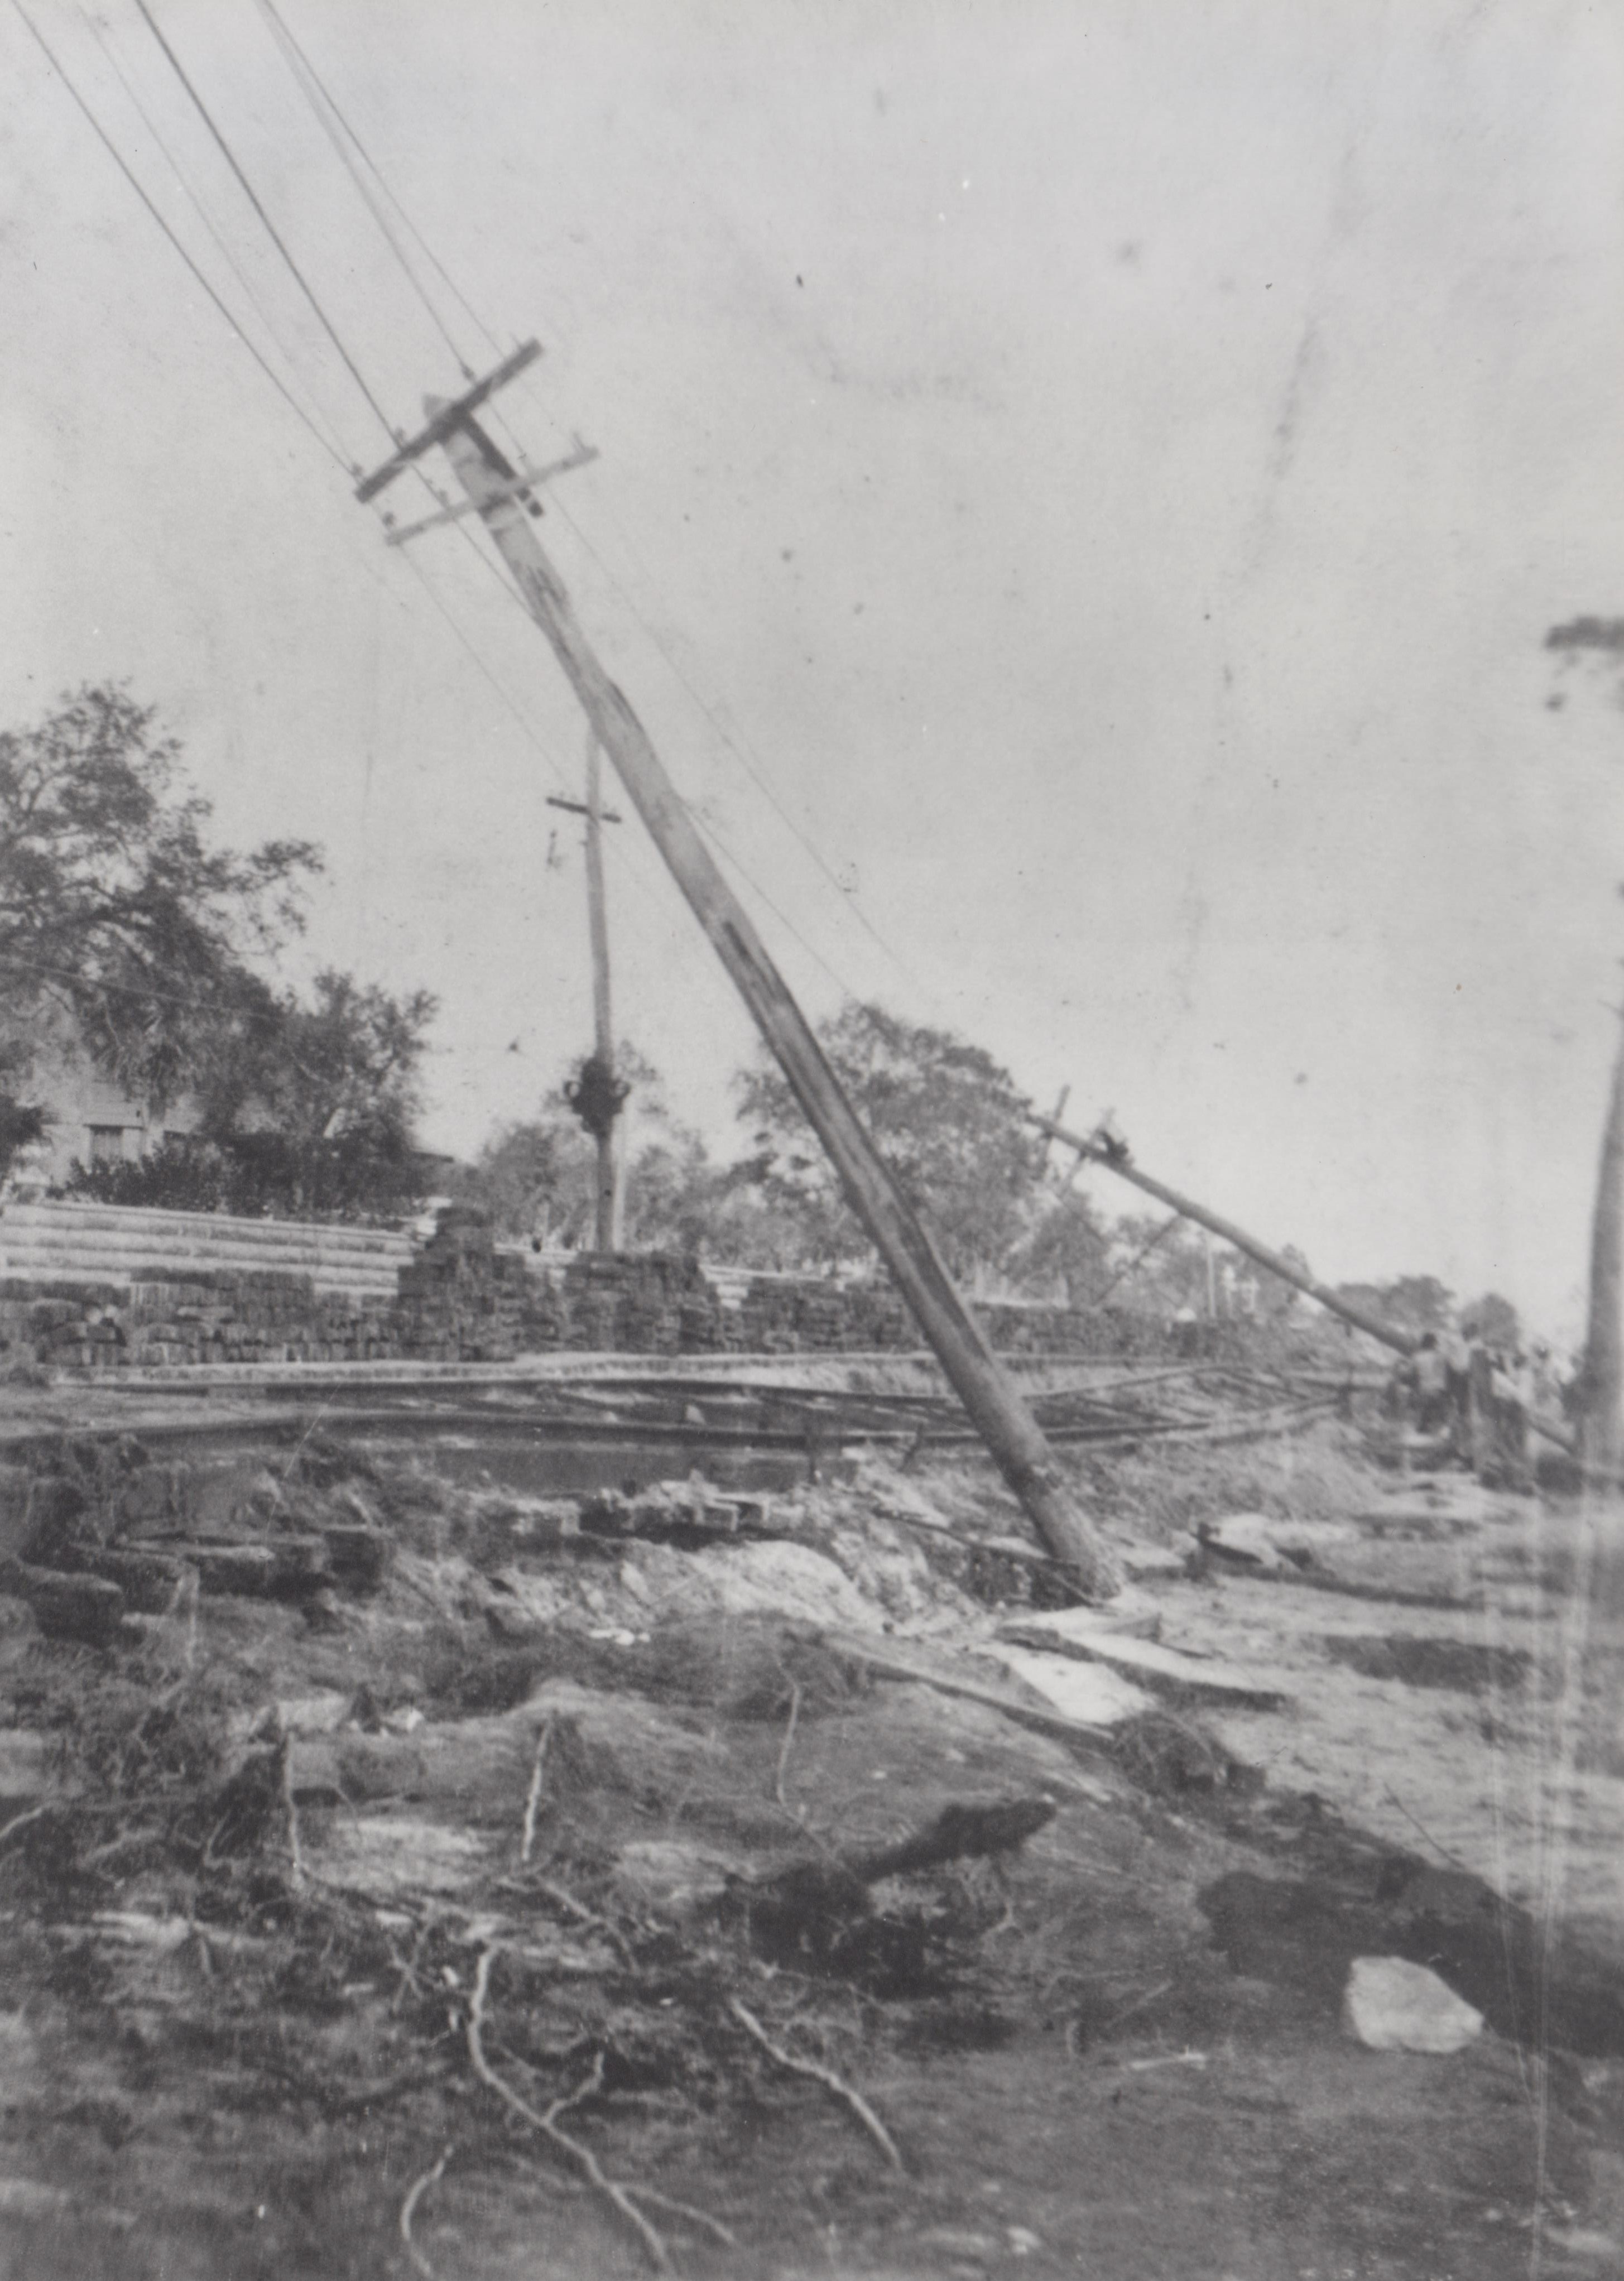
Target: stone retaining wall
(461, 1298)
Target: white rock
(1393, 2005)
(1091, 1692)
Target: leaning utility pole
(500, 493)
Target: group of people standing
(1480, 1396)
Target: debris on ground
(1394, 2005)
(735, 1879)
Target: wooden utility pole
(603, 1024)
(1116, 1159)
(985, 1387)
(1601, 1372)
(607, 1206)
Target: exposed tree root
(527, 1835)
(545, 2120)
(831, 2081)
(296, 1859)
(789, 1744)
(414, 2193)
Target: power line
(428, 250)
(219, 137)
(314, 83)
(202, 211)
(275, 237)
(332, 122)
(116, 155)
(751, 767)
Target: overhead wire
(194, 198)
(202, 281)
(724, 851)
(337, 126)
(219, 241)
(331, 100)
(276, 238)
(619, 856)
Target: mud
(1088, 1978)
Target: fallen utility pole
(1116, 1159)
(981, 1381)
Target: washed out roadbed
(400, 1875)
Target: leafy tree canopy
(113, 910)
(307, 1111)
(946, 1116)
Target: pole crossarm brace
(444, 419)
(1116, 1159)
(519, 486)
(580, 807)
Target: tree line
(130, 941)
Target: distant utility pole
(1601, 1370)
(606, 1213)
(501, 494)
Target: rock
(357, 1554)
(28, 1765)
(150, 1581)
(1393, 2005)
(17, 1620)
(87, 1608)
(668, 1879)
(390, 1857)
(56, 1515)
(288, 1568)
(1041, 1700)
(1088, 1692)
(1244, 1539)
(1143, 1560)
(244, 1569)
(321, 1713)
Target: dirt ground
(794, 1885)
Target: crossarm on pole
(444, 419)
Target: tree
(114, 910)
(317, 1103)
(306, 1108)
(947, 1118)
(1067, 1239)
(536, 1179)
(1411, 1302)
(1495, 1320)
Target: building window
(106, 1144)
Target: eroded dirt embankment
(792, 1883)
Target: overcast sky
(1102, 472)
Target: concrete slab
(1077, 1633)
